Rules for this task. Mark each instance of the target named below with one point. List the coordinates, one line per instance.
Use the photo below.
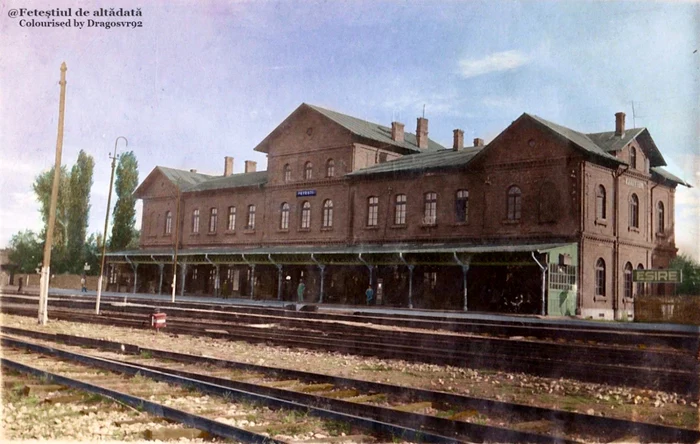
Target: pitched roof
(374, 131)
(183, 178)
(611, 142)
(422, 161)
(579, 139)
(668, 176)
(232, 181)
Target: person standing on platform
(300, 291)
(370, 294)
(83, 288)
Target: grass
(145, 354)
(337, 428)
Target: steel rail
(647, 431)
(189, 419)
(375, 426)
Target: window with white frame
(400, 209)
(430, 208)
(213, 219)
(462, 206)
(231, 222)
(284, 216)
(251, 217)
(372, 211)
(306, 215)
(195, 221)
(327, 213)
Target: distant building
(542, 212)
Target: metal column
(183, 275)
(217, 281)
(252, 281)
(543, 269)
(160, 282)
(279, 277)
(410, 279)
(322, 267)
(136, 276)
(465, 269)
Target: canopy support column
(370, 267)
(160, 273)
(543, 269)
(465, 268)
(279, 277)
(251, 282)
(410, 279)
(216, 276)
(183, 275)
(322, 268)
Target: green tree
(124, 215)
(691, 275)
(93, 253)
(78, 210)
(42, 187)
(26, 251)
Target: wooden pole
(46, 267)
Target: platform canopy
(379, 254)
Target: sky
(200, 80)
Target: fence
(675, 309)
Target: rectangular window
(372, 211)
(562, 277)
(430, 209)
(251, 217)
(213, 218)
(400, 210)
(462, 206)
(195, 221)
(231, 223)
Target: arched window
(634, 211)
(327, 213)
(513, 203)
(168, 222)
(600, 277)
(628, 280)
(213, 219)
(251, 217)
(284, 216)
(287, 173)
(400, 209)
(308, 170)
(600, 203)
(661, 221)
(641, 287)
(462, 206)
(195, 221)
(231, 225)
(330, 168)
(306, 215)
(430, 208)
(372, 211)
(633, 157)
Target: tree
(42, 187)
(26, 251)
(691, 275)
(78, 210)
(124, 215)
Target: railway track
(531, 328)
(446, 416)
(662, 369)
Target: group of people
(369, 293)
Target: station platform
(372, 310)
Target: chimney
(458, 143)
(250, 166)
(478, 142)
(397, 131)
(422, 133)
(228, 166)
(193, 170)
(620, 124)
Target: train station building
(543, 219)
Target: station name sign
(306, 193)
(658, 276)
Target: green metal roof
(374, 131)
(344, 249)
(668, 176)
(184, 178)
(422, 161)
(232, 181)
(608, 141)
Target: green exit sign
(658, 276)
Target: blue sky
(203, 80)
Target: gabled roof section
(582, 141)
(422, 161)
(360, 128)
(233, 181)
(609, 142)
(670, 177)
(180, 178)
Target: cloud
(496, 62)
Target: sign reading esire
(306, 193)
(658, 276)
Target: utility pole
(104, 233)
(177, 240)
(46, 267)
